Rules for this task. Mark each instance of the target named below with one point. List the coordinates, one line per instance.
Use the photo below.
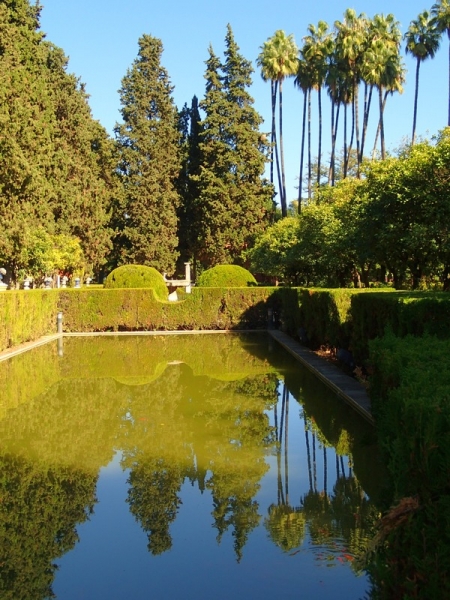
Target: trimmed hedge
(410, 393)
(138, 276)
(27, 315)
(226, 276)
(139, 310)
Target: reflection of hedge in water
(41, 505)
(27, 375)
(75, 423)
(141, 356)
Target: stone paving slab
(346, 387)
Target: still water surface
(206, 466)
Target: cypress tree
(149, 162)
(187, 212)
(55, 177)
(234, 201)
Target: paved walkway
(346, 387)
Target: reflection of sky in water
(111, 559)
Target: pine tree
(148, 145)
(234, 202)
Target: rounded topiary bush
(138, 276)
(226, 276)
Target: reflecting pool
(188, 466)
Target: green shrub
(226, 276)
(138, 276)
(410, 394)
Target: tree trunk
(333, 146)
(367, 103)
(302, 154)
(319, 91)
(358, 149)
(309, 145)
(448, 35)
(416, 95)
(273, 91)
(383, 147)
(283, 177)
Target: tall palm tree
(351, 42)
(303, 81)
(317, 49)
(422, 41)
(278, 59)
(382, 66)
(441, 19)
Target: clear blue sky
(100, 37)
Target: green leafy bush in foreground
(137, 276)
(226, 276)
(410, 393)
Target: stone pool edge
(353, 392)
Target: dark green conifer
(234, 201)
(148, 145)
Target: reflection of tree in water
(236, 458)
(40, 506)
(285, 523)
(182, 426)
(154, 500)
(339, 523)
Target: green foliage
(55, 163)
(41, 506)
(27, 316)
(149, 163)
(234, 202)
(276, 252)
(137, 276)
(226, 276)
(133, 310)
(410, 392)
(325, 315)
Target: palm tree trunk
(345, 143)
(276, 151)
(319, 91)
(283, 177)
(302, 153)
(367, 102)
(333, 149)
(358, 149)
(448, 35)
(374, 149)
(273, 92)
(330, 168)
(380, 100)
(309, 145)
(416, 95)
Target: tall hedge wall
(138, 309)
(26, 316)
